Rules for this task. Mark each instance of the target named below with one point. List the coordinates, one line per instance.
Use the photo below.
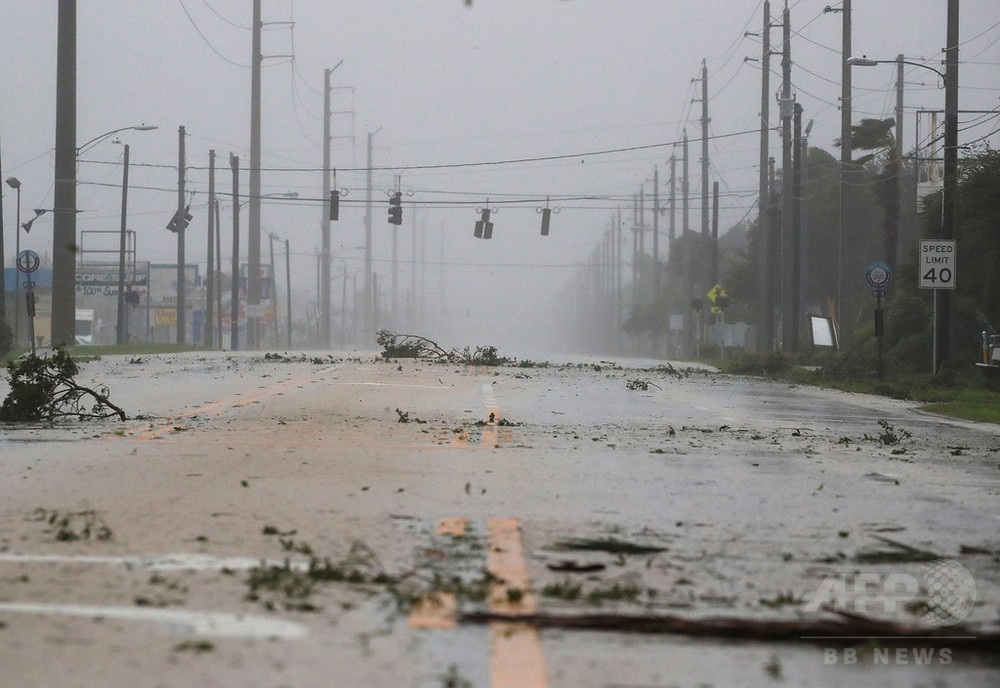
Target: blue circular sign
(28, 261)
(879, 275)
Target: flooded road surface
(300, 520)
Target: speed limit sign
(936, 264)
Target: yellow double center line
(516, 659)
(218, 407)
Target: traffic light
(334, 205)
(546, 216)
(396, 209)
(484, 228)
(180, 220)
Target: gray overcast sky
(449, 83)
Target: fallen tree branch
(848, 629)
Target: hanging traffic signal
(546, 216)
(396, 209)
(484, 228)
(334, 205)
(180, 220)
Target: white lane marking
(386, 384)
(490, 397)
(178, 621)
(166, 562)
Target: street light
(943, 334)
(15, 183)
(865, 61)
(97, 139)
(64, 228)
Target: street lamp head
(14, 182)
(862, 61)
(145, 127)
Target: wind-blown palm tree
(877, 136)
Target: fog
(500, 104)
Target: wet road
(153, 553)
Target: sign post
(879, 276)
(28, 262)
(936, 269)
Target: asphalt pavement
(311, 519)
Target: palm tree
(876, 135)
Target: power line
(208, 42)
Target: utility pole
(234, 304)
(210, 286)
(656, 232)
(796, 243)
(946, 328)
(685, 189)
(411, 319)
(288, 294)
(673, 204)
(181, 231)
(64, 199)
(715, 233)
(253, 236)
(218, 271)
(789, 337)
(619, 306)
(845, 153)
(121, 335)
(394, 283)
(367, 298)
(274, 285)
(635, 249)
(765, 325)
(324, 269)
(704, 149)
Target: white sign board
(936, 264)
(676, 323)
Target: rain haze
(509, 105)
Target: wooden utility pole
(789, 336)
(704, 149)
(253, 223)
(210, 286)
(765, 324)
(795, 304)
(656, 232)
(946, 328)
(181, 231)
(234, 304)
(64, 199)
(845, 154)
(685, 188)
(324, 266)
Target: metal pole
(234, 305)
(17, 277)
(288, 293)
(274, 287)
(121, 332)
(704, 149)
(218, 272)
(366, 328)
